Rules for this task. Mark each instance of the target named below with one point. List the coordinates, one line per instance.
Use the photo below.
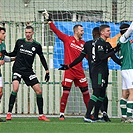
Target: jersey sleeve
(123, 39)
(60, 35)
(41, 56)
(14, 52)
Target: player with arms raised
(72, 48)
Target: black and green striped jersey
(97, 53)
(25, 53)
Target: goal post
(16, 15)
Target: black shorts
(99, 80)
(29, 78)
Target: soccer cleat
(62, 117)
(1, 120)
(106, 118)
(129, 120)
(100, 120)
(89, 120)
(43, 118)
(8, 116)
(123, 119)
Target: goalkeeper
(72, 48)
(98, 52)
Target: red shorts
(76, 76)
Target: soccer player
(3, 59)
(126, 52)
(2, 62)
(72, 48)
(25, 50)
(98, 52)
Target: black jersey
(98, 52)
(25, 53)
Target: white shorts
(127, 79)
(1, 82)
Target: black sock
(104, 106)
(12, 101)
(91, 104)
(40, 103)
(97, 108)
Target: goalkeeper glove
(64, 67)
(46, 15)
(47, 77)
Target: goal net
(17, 14)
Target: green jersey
(126, 53)
(2, 47)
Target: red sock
(63, 101)
(86, 97)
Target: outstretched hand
(46, 15)
(64, 67)
(47, 77)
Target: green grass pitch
(70, 125)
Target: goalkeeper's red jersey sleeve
(60, 35)
(72, 47)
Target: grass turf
(70, 125)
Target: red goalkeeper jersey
(72, 47)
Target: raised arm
(127, 34)
(60, 35)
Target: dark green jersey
(25, 53)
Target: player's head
(2, 34)
(104, 31)
(78, 31)
(29, 31)
(95, 33)
(123, 28)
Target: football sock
(86, 98)
(91, 104)
(130, 109)
(123, 106)
(104, 106)
(97, 108)
(12, 100)
(63, 100)
(40, 103)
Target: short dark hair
(103, 26)
(76, 26)
(3, 28)
(95, 33)
(123, 28)
(29, 27)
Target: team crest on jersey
(21, 46)
(33, 48)
(73, 41)
(100, 47)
